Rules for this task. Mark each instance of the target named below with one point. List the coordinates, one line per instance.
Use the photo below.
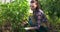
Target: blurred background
(14, 12)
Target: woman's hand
(24, 23)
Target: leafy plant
(14, 12)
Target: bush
(14, 12)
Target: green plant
(14, 12)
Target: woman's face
(33, 4)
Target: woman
(40, 19)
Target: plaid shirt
(40, 17)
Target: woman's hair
(38, 4)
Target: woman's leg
(43, 29)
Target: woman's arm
(30, 28)
(38, 23)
